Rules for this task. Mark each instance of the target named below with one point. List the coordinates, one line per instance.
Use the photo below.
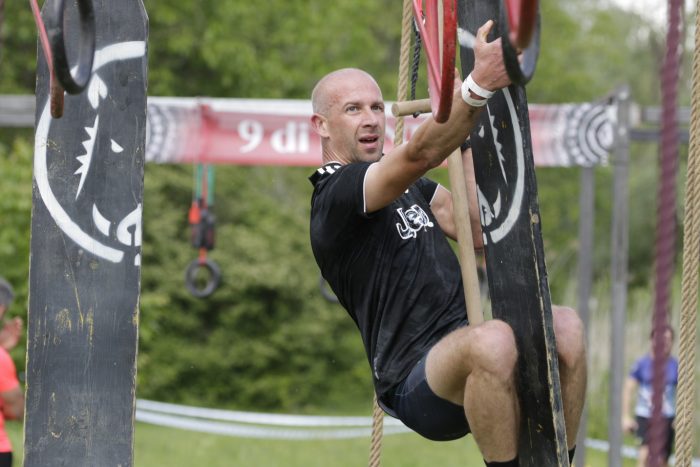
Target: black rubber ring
(327, 294)
(73, 84)
(519, 71)
(212, 283)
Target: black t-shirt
(393, 270)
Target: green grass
(158, 447)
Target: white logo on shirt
(413, 220)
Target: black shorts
(643, 434)
(5, 459)
(432, 417)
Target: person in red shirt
(11, 394)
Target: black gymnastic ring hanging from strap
(212, 283)
(520, 69)
(72, 83)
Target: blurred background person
(11, 394)
(639, 383)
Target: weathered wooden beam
(85, 264)
(517, 275)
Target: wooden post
(515, 263)
(465, 241)
(585, 280)
(85, 264)
(619, 247)
(467, 258)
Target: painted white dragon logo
(114, 232)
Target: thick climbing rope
(375, 451)
(402, 93)
(665, 225)
(689, 283)
(2, 17)
(404, 60)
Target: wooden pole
(585, 281)
(467, 259)
(460, 212)
(402, 109)
(619, 249)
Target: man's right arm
(433, 142)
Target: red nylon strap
(440, 77)
(55, 87)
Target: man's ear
(319, 125)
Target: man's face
(667, 342)
(355, 120)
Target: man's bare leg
(475, 367)
(643, 456)
(571, 347)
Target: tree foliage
(266, 338)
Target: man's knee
(570, 335)
(492, 348)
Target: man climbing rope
(378, 235)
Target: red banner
(278, 132)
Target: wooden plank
(85, 252)
(653, 135)
(653, 115)
(515, 263)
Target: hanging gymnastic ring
(212, 283)
(440, 78)
(327, 294)
(73, 84)
(520, 29)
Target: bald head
(325, 92)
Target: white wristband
(478, 90)
(467, 97)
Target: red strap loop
(440, 78)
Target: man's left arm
(442, 205)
